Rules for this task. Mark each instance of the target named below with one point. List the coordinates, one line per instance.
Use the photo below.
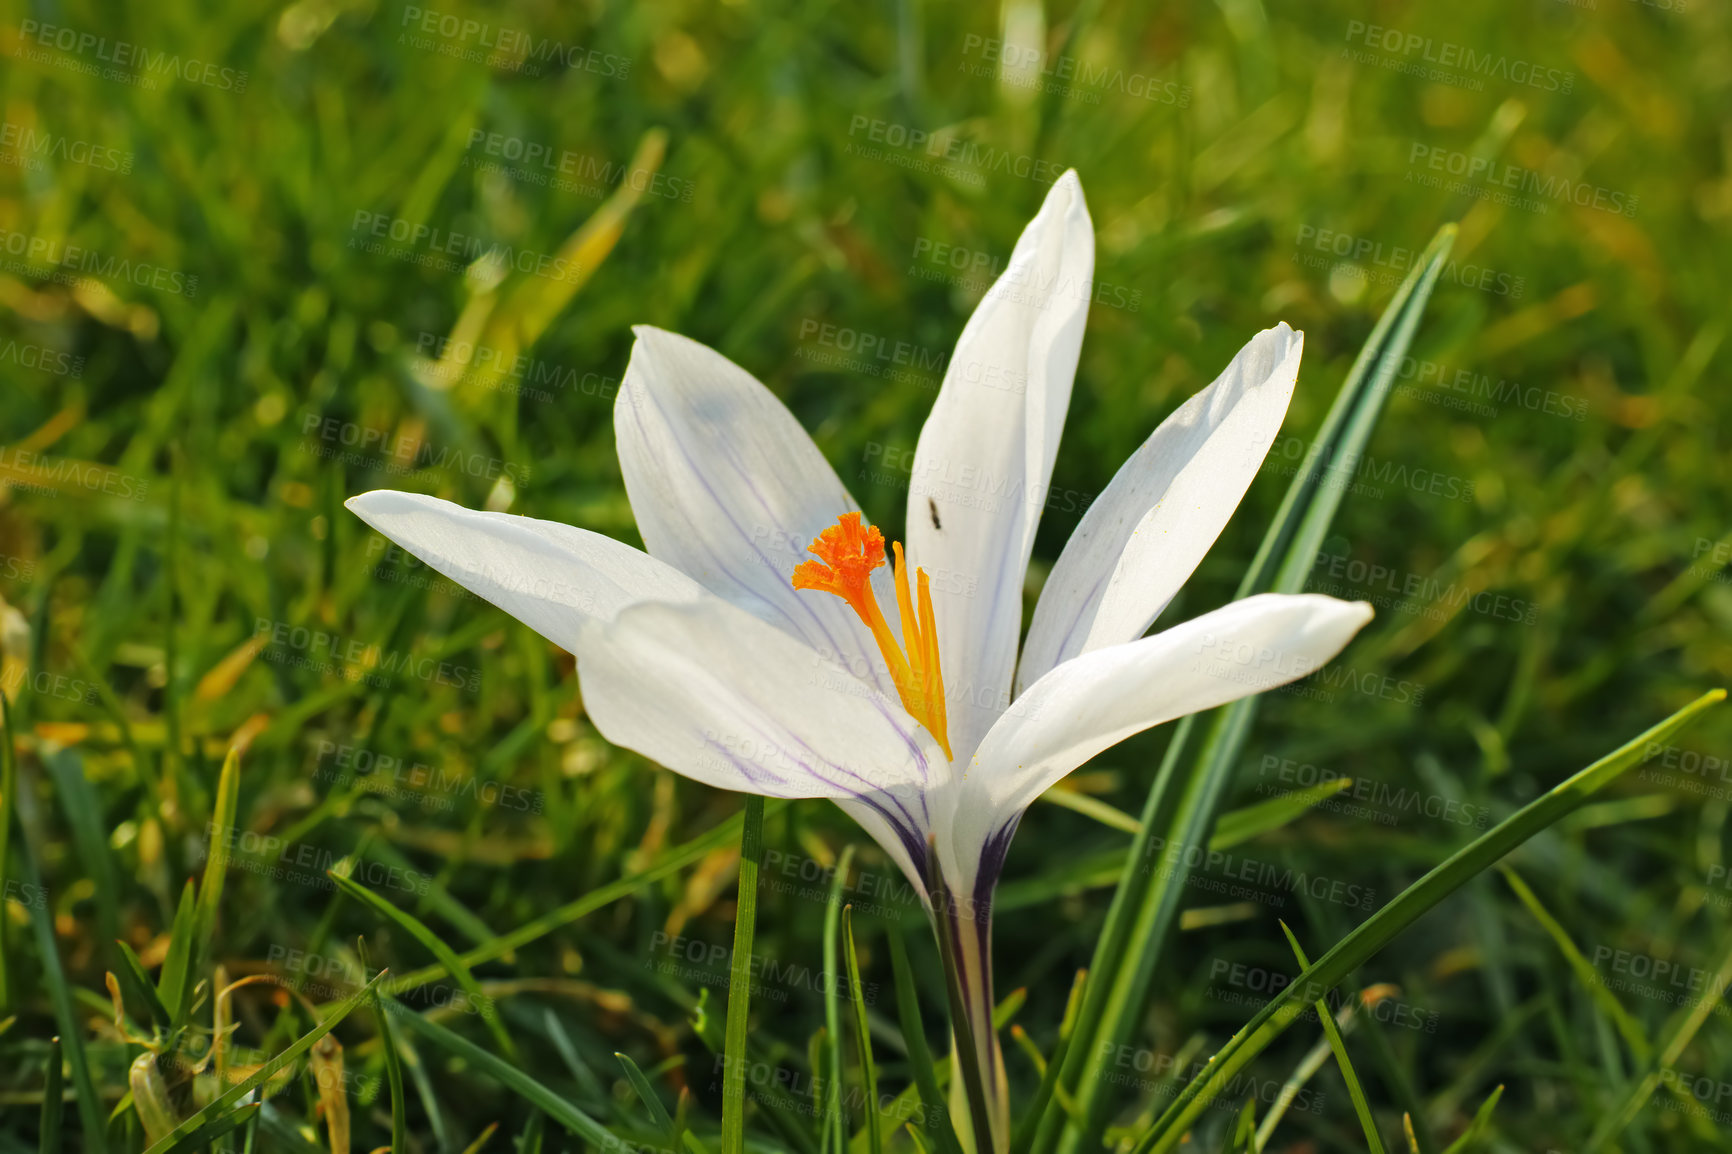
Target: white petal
(1143, 536)
(549, 576)
(716, 694)
(1097, 700)
(900, 821)
(728, 488)
(984, 460)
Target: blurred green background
(256, 259)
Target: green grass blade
(1584, 970)
(1091, 807)
(284, 1137)
(1481, 1120)
(1290, 1089)
(393, 1077)
(740, 979)
(836, 1132)
(1237, 826)
(1245, 1135)
(213, 1128)
(580, 1071)
(436, 946)
(1375, 932)
(935, 1106)
(423, 1081)
(862, 1036)
(1338, 1046)
(133, 970)
(1022, 1137)
(53, 972)
(1677, 1034)
(647, 1095)
(221, 834)
(48, 1130)
(1097, 870)
(1182, 801)
(515, 1080)
(175, 983)
(1233, 827)
(182, 1136)
(84, 818)
(670, 862)
(8, 803)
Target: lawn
(257, 260)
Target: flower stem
(964, 944)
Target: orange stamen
(847, 553)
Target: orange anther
(847, 553)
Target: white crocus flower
(728, 655)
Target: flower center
(847, 553)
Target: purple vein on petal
(812, 616)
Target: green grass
(172, 541)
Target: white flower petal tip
(718, 695)
(551, 577)
(1146, 533)
(984, 459)
(1095, 701)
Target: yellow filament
(847, 553)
